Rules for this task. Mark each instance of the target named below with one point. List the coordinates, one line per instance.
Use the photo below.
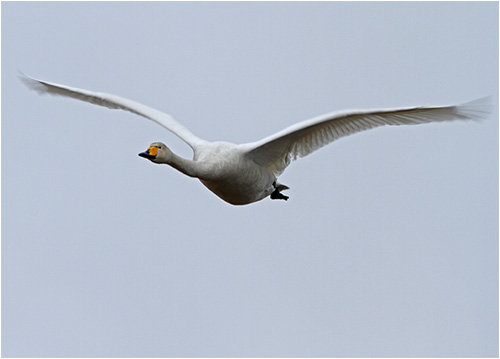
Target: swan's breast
(232, 176)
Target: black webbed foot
(278, 195)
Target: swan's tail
(281, 187)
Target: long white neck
(188, 167)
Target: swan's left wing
(113, 102)
(277, 151)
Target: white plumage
(246, 173)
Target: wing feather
(277, 151)
(113, 102)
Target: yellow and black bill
(150, 153)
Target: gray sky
(388, 245)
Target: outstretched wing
(277, 151)
(113, 102)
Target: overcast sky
(387, 247)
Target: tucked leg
(277, 194)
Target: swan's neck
(188, 167)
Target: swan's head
(157, 152)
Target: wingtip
(31, 83)
(22, 76)
(477, 110)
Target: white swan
(246, 173)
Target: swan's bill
(150, 153)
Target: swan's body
(223, 168)
(246, 173)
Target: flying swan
(246, 173)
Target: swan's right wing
(277, 151)
(113, 102)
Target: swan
(241, 174)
